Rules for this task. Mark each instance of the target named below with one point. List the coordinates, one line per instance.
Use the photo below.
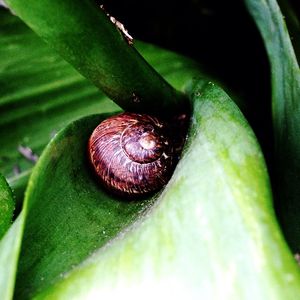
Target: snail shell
(132, 154)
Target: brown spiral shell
(132, 154)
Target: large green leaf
(285, 75)
(69, 215)
(211, 232)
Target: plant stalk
(86, 37)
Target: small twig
(2, 3)
(28, 153)
(16, 170)
(120, 26)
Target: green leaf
(40, 94)
(285, 75)
(7, 206)
(211, 232)
(86, 37)
(10, 247)
(69, 216)
(291, 17)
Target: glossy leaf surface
(214, 220)
(9, 254)
(69, 215)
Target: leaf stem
(84, 36)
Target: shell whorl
(132, 154)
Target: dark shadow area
(221, 36)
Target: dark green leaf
(285, 75)
(291, 17)
(40, 94)
(86, 37)
(7, 205)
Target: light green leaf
(69, 215)
(9, 253)
(212, 231)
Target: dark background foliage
(220, 35)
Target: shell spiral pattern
(132, 154)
